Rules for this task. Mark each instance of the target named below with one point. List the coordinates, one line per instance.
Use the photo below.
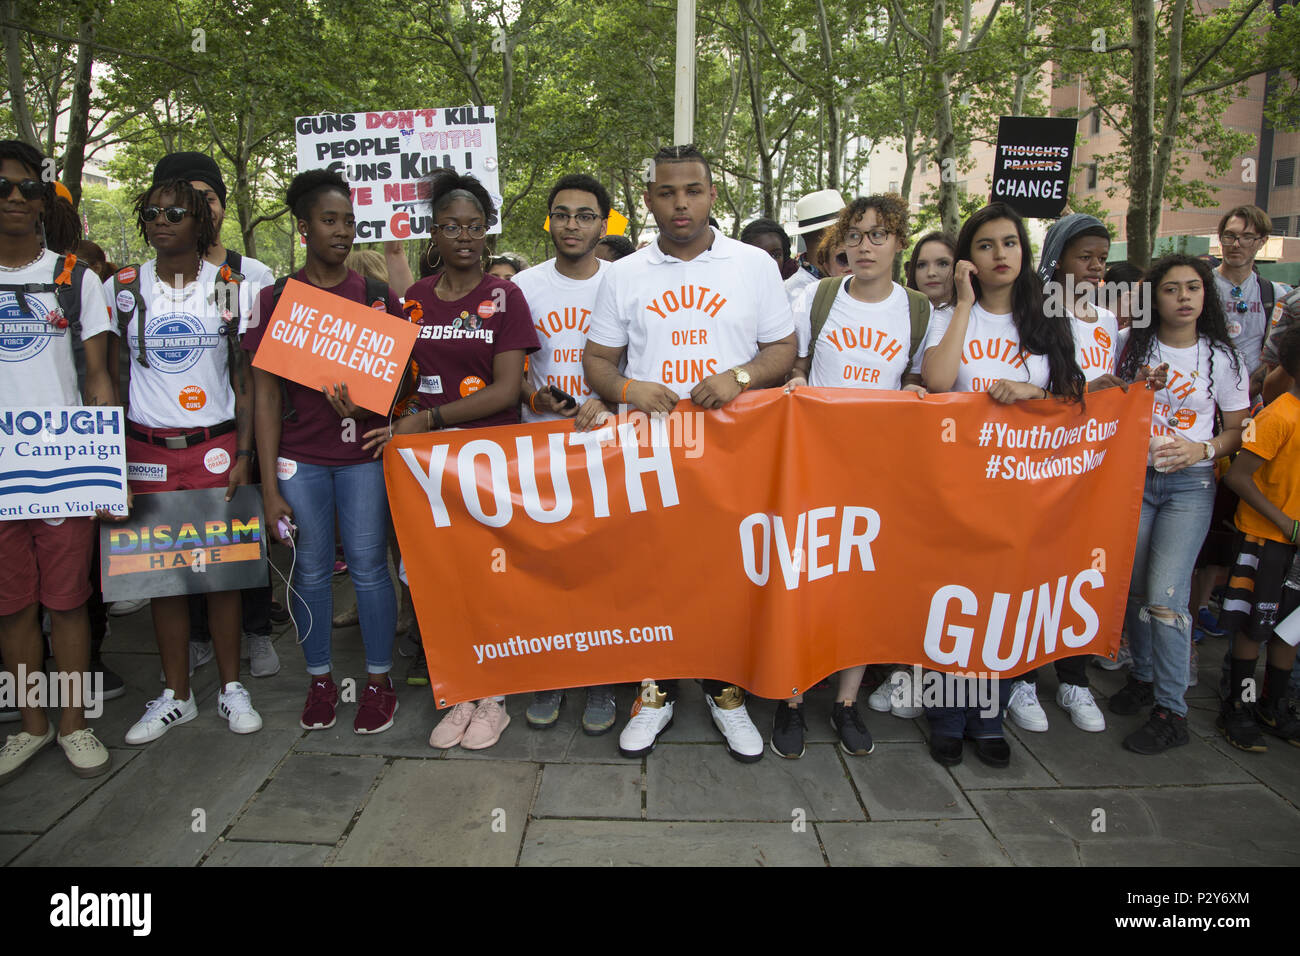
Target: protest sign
(317, 338)
(184, 542)
(384, 157)
(772, 542)
(1031, 168)
(58, 462)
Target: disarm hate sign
(318, 339)
(385, 156)
(1031, 172)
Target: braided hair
(187, 196)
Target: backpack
(69, 274)
(918, 308)
(377, 292)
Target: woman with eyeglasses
(475, 330)
(314, 464)
(189, 426)
(856, 332)
(999, 302)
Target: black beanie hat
(191, 166)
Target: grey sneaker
(544, 711)
(200, 654)
(261, 656)
(599, 715)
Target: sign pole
(684, 95)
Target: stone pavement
(204, 796)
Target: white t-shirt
(862, 344)
(187, 381)
(1246, 329)
(684, 321)
(36, 361)
(561, 309)
(1096, 344)
(798, 283)
(991, 352)
(256, 278)
(1187, 395)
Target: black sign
(1031, 172)
(184, 542)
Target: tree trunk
(17, 82)
(1169, 127)
(834, 157)
(1139, 230)
(74, 153)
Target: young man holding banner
(561, 294)
(692, 285)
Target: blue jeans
(1176, 510)
(970, 720)
(314, 492)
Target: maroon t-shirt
(458, 341)
(315, 433)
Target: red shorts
(45, 562)
(152, 468)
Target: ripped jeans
(1176, 509)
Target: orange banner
(773, 542)
(318, 339)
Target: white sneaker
(200, 654)
(1083, 710)
(260, 654)
(234, 704)
(879, 699)
(122, 608)
(1025, 709)
(651, 716)
(161, 715)
(744, 742)
(905, 695)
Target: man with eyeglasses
(561, 294)
(695, 314)
(1247, 304)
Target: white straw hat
(817, 211)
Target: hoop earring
(429, 258)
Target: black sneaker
(946, 750)
(1239, 726)
(1162, 730)
(417, 674)
(1132, 698)
(114, 686)
(994, 751)
(1280, 719)
(854, 738)
(279, 613)
(787, 731)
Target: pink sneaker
(376, 709)
(322, 700)
(451, 729)
(490, 719)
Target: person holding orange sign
(475, 330)
(314, 463)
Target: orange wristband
(532, 399)
(623, 398)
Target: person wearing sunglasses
(44, 562)
(189, 426)
(475, 330)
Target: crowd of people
(577, 338)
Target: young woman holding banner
(999, 296)
(314, 462)
(1206, 374)
(475, 331)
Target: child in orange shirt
(1266, 476)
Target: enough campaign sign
(319, 339)
(184, 542)
(61, 462)
(384, 157)
(772, 542)
(1031, 170)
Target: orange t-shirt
(1276, 441)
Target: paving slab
(408, 737)
(442, 813)
(919, 843)
(11, 844)
(47, 790)
(234, 853)
(648, 843)
(1025, 770)
(311, 799)
(519, 741)
(901, 782)
(590, 790)
(1144, 826)
(144, 814)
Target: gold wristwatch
(742, 378)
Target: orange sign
(773, 542)
(319, 339)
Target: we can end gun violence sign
(384, 156)
(772, 542)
